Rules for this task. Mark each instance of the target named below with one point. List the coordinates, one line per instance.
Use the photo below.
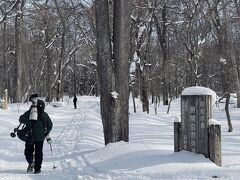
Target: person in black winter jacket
(75, 101)
(39, 125)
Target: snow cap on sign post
(199, 90)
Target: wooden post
(215, 144)
(3, 104)
(177, 127)
(6, 98)
(195, 114)
(4, 101)
(199, 133)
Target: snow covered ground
(79, 151)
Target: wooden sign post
(193, 132)
(195, 115)
(4, 101)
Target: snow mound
(113, 150)
(214, 122)
(57, 104)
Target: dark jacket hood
(40, 105)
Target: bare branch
(4, 17)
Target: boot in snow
(30, 167)
(37, 171)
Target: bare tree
(121, 40)
(162, 38)
(105, 68)
(17, 77)
(113, 77)
(223, 51)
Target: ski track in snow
(71, 133)
(69, 145)
(66, 146)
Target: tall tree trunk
(146, 70)
(165, 54)
(97, 86)
(49, 69)
(17, 59)
(236, 81)
(144, 91)
(114, 87)
(236, 71)
(105, 67)
(61, 60)
(75, 66)
(133, 98)
(230, 129)
(84, 80)
(162, 38)
(121, 46)
(62, 52)
(132, 60)
(5, 77)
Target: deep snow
(79, 151)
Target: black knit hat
(35, 95)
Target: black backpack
(24, 134)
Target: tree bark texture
(114, 109)
(105, 67)
(230, 128)
(17, 60)
(49, 67)
(121, 47)
(144, 92)
(162, 38)
(49, 70)
(5, 79)
(215, 154)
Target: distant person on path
(39, 125)
(75, 101)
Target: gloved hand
(49, 140)
(46, 134)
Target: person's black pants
(36, 146)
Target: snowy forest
(49, 46)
